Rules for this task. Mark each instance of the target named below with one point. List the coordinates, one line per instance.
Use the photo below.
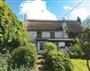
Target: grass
(79, 65)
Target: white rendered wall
(46, 34)
(58, 34)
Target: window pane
(39, 34)
(52, 34)
(41, 46)
(67, 44)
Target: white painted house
(42, 31)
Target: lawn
(79, 65)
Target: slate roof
(51, 25)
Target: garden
(18, 54)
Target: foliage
(21, 69)
(72, 35)
(5, 65)
(76, 51)
(15, 39)
(85, 42)
(34, 51)
(4, 61)
(56, 60)
(22, 56)
(50, 46)
(12, 32)
(2, 0)
(86, 22)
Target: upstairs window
(52, 34)
(39, 34)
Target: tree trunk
(88, 65)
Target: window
(67, 43)
(39, 34)
(61, 44)
(41, 46)
(52, 34)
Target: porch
(62, 44)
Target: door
(41, 47)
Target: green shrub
(5, 65)
(76, 51)
(22, 68)
(23, 56)
(4, 61)
(12, 32)
(50, 46)
(56, 60)
(34, 50)
(68, 65)
(15, 40)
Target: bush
(50, 46)
(76, 51)
(22, 68)
(86, 51)
(34, 50)
(4, 61)
(23, 56)
(56, 60)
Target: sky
(50, 9)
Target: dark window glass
(52, 34)
(67, 43)
(41, 46)
(39, 34)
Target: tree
(14, 38)
(12, 32)
(2, 0)
(76, 50)
(86, 22)
(85, 42)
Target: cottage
(42, 31)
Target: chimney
(78, 20)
